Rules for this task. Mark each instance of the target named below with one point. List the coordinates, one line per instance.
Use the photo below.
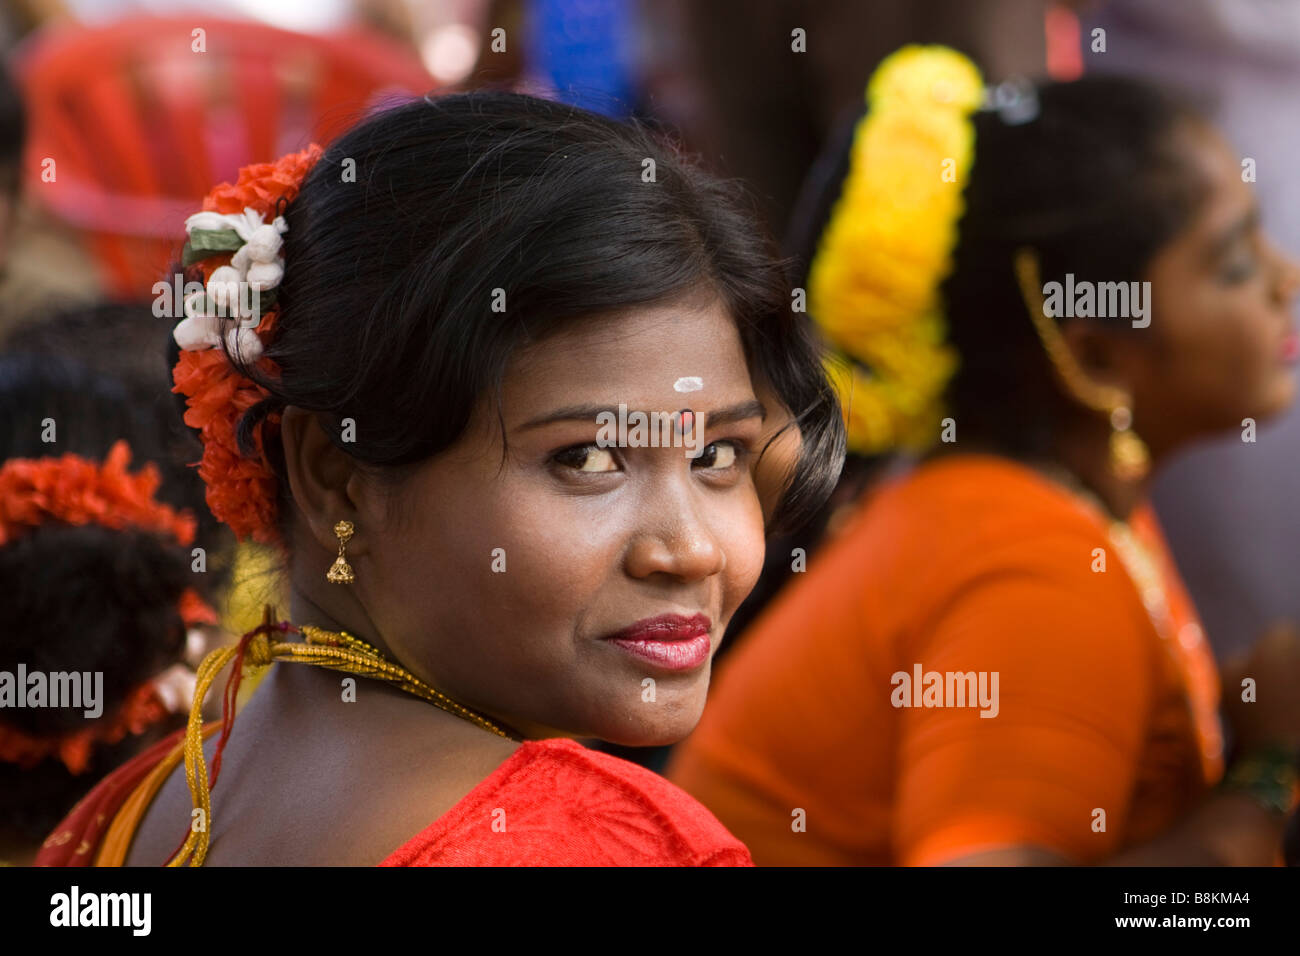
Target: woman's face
(1222, 345)
(503, 583)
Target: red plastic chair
(140, 126)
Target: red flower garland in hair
(143, 708)
(241, 492)
(77, 491)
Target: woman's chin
(651, 729)
(1286, 390)
(1279, 397)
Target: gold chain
(355, 656)
(1144, 570)
(1098, 397)
(1140, 564)
(1130, 459)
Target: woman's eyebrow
(735, 413)
(752, 408)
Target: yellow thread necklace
(333, 650)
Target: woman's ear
(1104, 355)
(322, 478)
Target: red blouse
(551, 803)
(558, 803)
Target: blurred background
(118, 115)
(147, 103)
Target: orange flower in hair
(143, 708)
(77, 491)
(261, 185)
(241, 491)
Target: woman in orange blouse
(993, 659)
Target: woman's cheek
(1258, 371)
(745, 546)
(553, 551)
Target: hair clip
(1014, 100)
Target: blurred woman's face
(569, 588)
(1222, 344)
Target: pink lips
(1291, 347)
(671, 641)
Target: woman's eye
(1239, 269)
(1240, 266)
(718, 455)
(587, 458)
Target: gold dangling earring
(340, 571)
(1129, 458)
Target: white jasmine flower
(224, 288)
(265, 275)
(264, 244)
(211, 222)
(199, 332)
(244, 343)
(196, 304)
(241, 260)
(244, 224)
(233, 290)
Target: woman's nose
(684, 549)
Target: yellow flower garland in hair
(873, 285)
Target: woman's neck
(303, 609)
(1085, 455)
(306, 608)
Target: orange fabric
(117, 838)
(76, 839)
(968, 564)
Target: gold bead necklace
(333, 650)
(341, 651)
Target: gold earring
(1129, 458)
(340, 571)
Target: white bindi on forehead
(690, 383)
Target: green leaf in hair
(204, 243)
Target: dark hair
(386, 300)
(115, 348)
(1096, 184)
(13, 131)
(81, 597)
